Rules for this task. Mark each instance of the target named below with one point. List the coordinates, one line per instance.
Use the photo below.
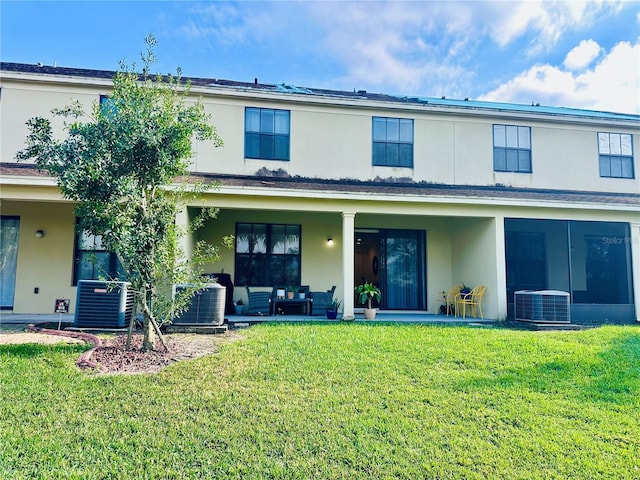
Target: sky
(556, 53)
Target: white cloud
(404, 46)
(227, 23)
(613, 84)
(581, 56)
(542, 23)
(428, 47)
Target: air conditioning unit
(103, 304)
(206, 308)
(542, 306)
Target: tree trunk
(149, 339)
(150, 328)
(131, 325)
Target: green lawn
(325, 401)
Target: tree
(120, 166)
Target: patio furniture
(259, 302)
(321, 300)
(472, 300)
(447, 300)
(304, 302)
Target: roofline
(360, 191)
(484, 201)
(484, 195)
(361, 98)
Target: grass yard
(336, 401)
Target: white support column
(185, 242)
(635, 266)
(348, 262)
(501, 270)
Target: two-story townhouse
(330, 188)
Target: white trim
(335, 100)
(421, 199)
(367, 197)
(28, 181)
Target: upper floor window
(511, 148)
(266, 133)
(392, 142)
(615, 152)
(107, 105)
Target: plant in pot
(332, 309)
(291, 291)
(366, 293)
(464, 291)
(238, 305)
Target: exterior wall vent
(103, 304)
(207, 306)
(542, 306)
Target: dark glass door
(402, 269)
(9, 231)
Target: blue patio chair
(259, 303)
(321, 300)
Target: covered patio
(382, 316)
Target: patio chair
(259, 303)
(472, 300)
(321, 300)
(446, 300)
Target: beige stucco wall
(22, 101)
(45, 263)
(332, 139)
(474, 251)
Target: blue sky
(566, 53)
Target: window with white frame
(615, 155)
(511, 148)
(266, 133)
(392, 142)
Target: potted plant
(291, 292)
(464, 291)
(238, 305)
(332, 309)
(367, 292)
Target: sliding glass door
(9, 232)
(402, 258)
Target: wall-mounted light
(39, 233)
(329, 241)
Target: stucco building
(416, 194)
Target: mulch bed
(113, 358)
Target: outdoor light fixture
(329, 241)
(39, 233)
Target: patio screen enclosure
(590, 260)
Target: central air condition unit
(103, 304)
(206, 308)
(542, 306)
